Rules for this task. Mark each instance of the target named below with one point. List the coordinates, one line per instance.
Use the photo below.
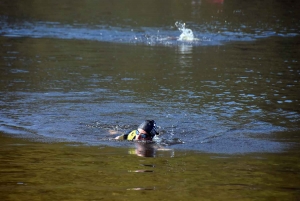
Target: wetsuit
(135, 135)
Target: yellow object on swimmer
(132, 135)
(129, 136)
(146, 131)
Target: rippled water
(142, 35)
(73, 72)
(75, 80)
(59, 171)
(204, 96)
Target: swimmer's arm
(121, 137)
(131, 135)
(114, 132)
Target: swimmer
(146, 131)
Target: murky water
(40, 171)
(72, 71)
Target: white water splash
(187, 34)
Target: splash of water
(187, 34)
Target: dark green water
(41, 171)
(227, 103)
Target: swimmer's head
(150, 127)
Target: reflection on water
(145, 35)
(143, 149)
(73, 71)
(220, 95)
(209, 96)
(58, 171)
(212, 22)
(151, 150)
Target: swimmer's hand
(113, 132)
(121, 137)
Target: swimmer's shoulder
(131, 135)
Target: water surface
(71, 71)
(59, 171)
(206, 96)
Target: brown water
(41, 171)
(227, 103)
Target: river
(226, 102)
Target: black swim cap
(149, 126)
